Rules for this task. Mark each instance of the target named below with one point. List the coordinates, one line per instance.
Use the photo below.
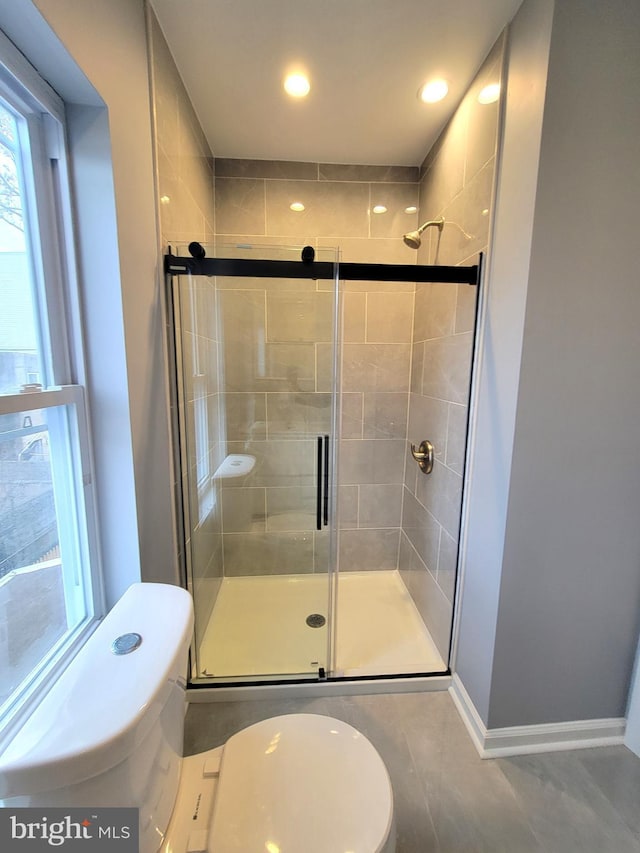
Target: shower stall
(299, 415)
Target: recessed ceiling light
(411, 209)
(490, 94)
(433, 91)
(297, 85)
(379, 208)
(297, 206)
(164, 199)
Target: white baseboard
(522, 740)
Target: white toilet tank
(109, 732)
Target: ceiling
(366, 60)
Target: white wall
(107, 40)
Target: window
(50, 593)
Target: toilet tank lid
(102, 705)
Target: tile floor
(447, 799)
(258, 627)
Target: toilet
(110, 733)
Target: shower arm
(439, 224)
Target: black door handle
(326, 481)
(322, 483)
(319, 485)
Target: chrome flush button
(126, 643)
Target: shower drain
(316, 620)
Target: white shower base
(258, 628)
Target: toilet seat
(299, 783)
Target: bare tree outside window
(10, 200)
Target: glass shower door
(256, 401)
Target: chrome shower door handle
(423, 455)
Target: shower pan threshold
(259, 629)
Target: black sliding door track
(254, 268)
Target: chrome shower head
(413, 239)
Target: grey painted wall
(500, 345)
(570, 596)
(566, 621)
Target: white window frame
(51, 248)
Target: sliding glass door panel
(256, 395)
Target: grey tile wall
(405, 360)
(186, 206)
(257, 379)
(274, 345)
(278, 353)
(457, 184)
(185, 161)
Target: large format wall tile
(384, 415)
(348, 172)
(246, 415)
(352, 414)
(457, 184)
(233, 168)
(456, 437)
(277, 463)
(389, 317)
(354, 320)
(417, 367)
(441, 493)
(375, 367)
(379, 250)
(422, 530)
(267, 553)
(398, 338)
(379, 506)
(428, 420)
(395, 221)
(294, 316)
(366, 550)
(435, 311)
(291, 508)
(371, 461)
(447, 564)
(185, 190)
(483, 117)
(290, 367)
(242, 316)
(348, 506)
(435, 609)
(447, 368)
(240, 206)
(298, 414)
(444, 176)
(243, 511)
(466, 302)
(332, 209)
